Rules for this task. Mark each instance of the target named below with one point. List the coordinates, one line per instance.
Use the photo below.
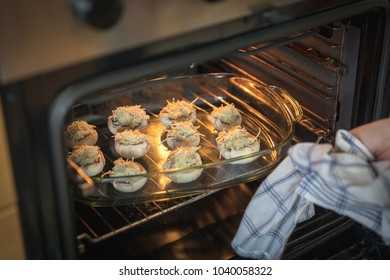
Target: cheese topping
(130, 116)
(183, 131)
(226, 114)
(178, 109)
(79, 130)
(236, 138)
(183, 157)
(85, 155)
(125, 168)
(131, 137)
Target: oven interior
(322, 68)
(335, 63)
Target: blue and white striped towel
(345, 179)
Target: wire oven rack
(312, 65)
(96, 224)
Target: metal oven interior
(337, 69)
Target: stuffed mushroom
(237, 142)
(177, 111)
(225, 117)
(80, 133)
(89, 158)
(183, 157)
(127, 117)
(124, 167)
(132, 144)
(183, 134)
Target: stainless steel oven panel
(34, 33)
(41, 36)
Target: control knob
(100, 14)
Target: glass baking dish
(263, 107)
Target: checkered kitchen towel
(345, 179)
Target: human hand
(376, 137)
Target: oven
(65, 59)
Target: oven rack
(326, 225)
(96, 224)
(309, 121)
(232, 66)
(312, 65)
(278, 43)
